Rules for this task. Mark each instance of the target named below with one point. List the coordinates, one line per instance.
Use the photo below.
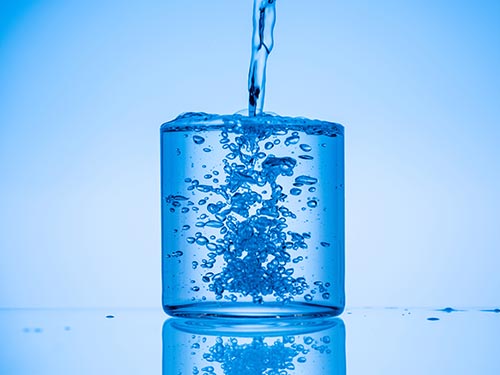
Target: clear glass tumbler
(217, 347)
(252, 216)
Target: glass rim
(200, 121)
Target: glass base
(250, 310)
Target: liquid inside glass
(252, 216)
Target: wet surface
(394, 340)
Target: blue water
(264, 18)
(219, 348)
(252, 216)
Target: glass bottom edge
(244, 310)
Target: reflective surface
(377, 341)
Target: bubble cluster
(260, 357)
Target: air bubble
(312, 203)
(294, 139)
(306, 180)
(198, 139)
(202, 241)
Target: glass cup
(216, 347)
(252, 216)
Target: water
(219, 348)
(264, 18)
(249, 228)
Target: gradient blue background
(85, 85)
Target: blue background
(84, 87)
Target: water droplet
(496, 311)
(206, 149)
(448, 310)
(301, 359)
(110, 316)
(295, 191)
(432, 319)
(325, 244)
(308, 297)
(306, 157)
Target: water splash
(264, 18)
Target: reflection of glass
(225, 347)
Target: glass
(217, 347)
(252, 216)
